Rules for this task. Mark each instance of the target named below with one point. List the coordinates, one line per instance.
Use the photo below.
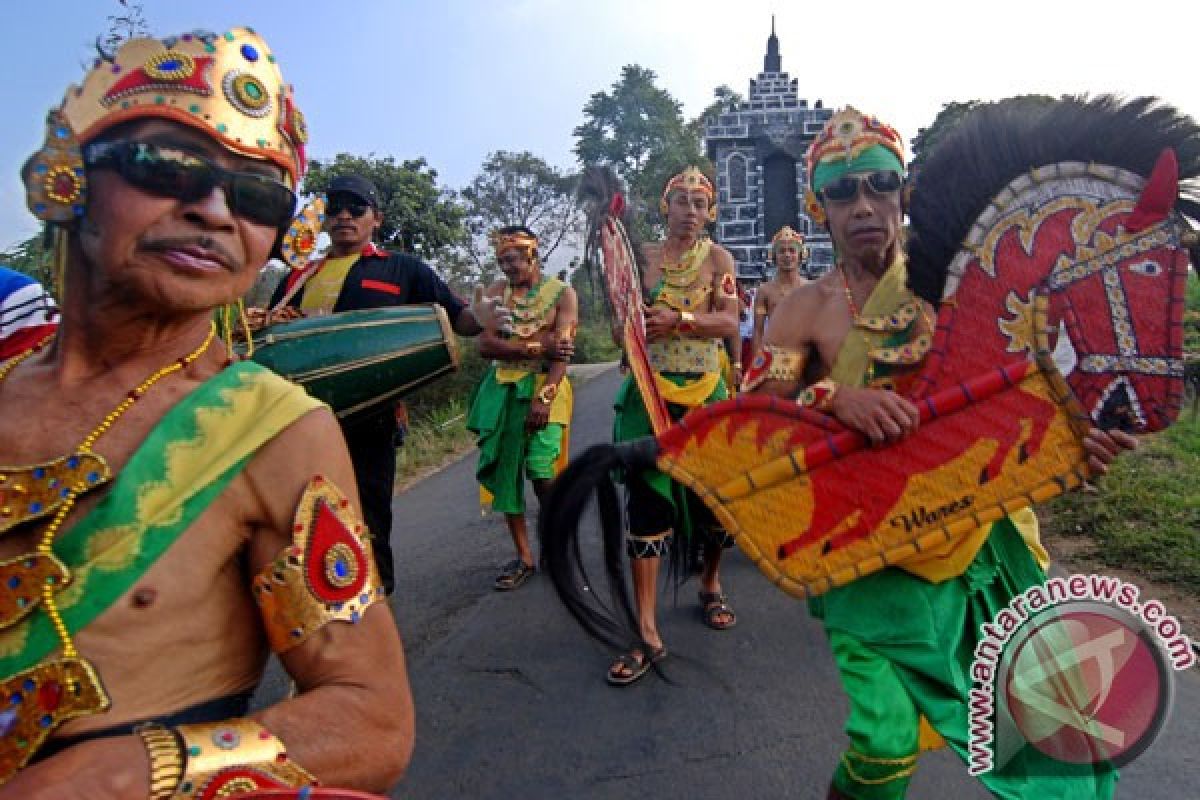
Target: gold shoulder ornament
(327, 574)
(775, 363)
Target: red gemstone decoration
(49, 695)
(239, 779)
(327, 531)
(65, 185)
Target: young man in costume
(170, 518)
(788, 254)
(902, 637)
(691, 305)
(521, 410)
(357, 274)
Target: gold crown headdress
(228, 86)
(847, 134)
(690, 180)
(520, 240)
(787, 235)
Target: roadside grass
(1145, 514)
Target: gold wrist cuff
(533, 349)
(234, 756)
(166, 759)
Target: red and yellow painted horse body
(1054, 274)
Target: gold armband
(224, 759)
(326, 574)
(166, 759)
(547, 393)
(819, 396)
(775, 363)
(760, 312)
(687, 322)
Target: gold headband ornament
(690, 180)
(517, 240)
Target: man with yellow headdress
(168, 518)
(788, 254)
(521, 409)
(847, 344)
(691, 305)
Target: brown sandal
(634, 665)
(515, 573)
(713, 605)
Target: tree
(418, 216)
(725, 99)
(519, 189)
(128, 23)
(949, 118)
(638, 129)
(33, 258)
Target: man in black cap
(357, 274)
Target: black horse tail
(562, 511)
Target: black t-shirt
(380, 279)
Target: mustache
(206, 243)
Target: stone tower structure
(758, 151)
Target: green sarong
(507, 453)
(632, 422)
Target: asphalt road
(511, 699)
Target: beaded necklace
(71, 493)
(531, 309)
(907, 355)
(681, 273)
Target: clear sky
(452, 80)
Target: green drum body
(357, 361)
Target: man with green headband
(903, 637)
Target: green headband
(873, 159)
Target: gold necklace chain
(855, 318)
(681, 273)
(46, 543)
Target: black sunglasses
(171, 172)
(337, 203)
(845, 189)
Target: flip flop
(713, 605)
(636, 664)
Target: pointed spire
(772, 62)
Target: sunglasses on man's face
(171, 172)
(845, 189)
(338, 203)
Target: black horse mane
(995, 143)
(597, 187)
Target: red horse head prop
(1052, 240)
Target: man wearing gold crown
(847, 342)
(168, 518)
(521, 410)
(691, 306)
(788, 254)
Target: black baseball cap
(356, 185)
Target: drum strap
(297, 285)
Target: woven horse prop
(1052, 241)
